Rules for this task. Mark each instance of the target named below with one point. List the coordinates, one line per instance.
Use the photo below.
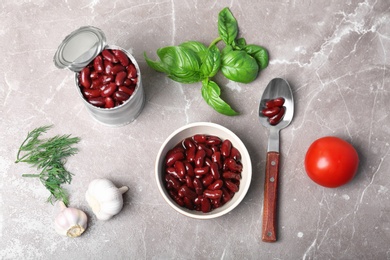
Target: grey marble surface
(335, 55)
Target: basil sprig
(192, 62)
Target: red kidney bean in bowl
(203, 170)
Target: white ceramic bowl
(209, 129)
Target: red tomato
(331, 162)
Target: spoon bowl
(278, 88)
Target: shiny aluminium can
(77, 51)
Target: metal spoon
(276, 88)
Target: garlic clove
(105, 198)
(70, 222)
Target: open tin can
(77, 51)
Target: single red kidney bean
(98, 64)
(205, 205)
(109, 102)
(207, 161)
(94, 74)
(201, 170)
(207, 180)
(216, 157)
(216, 185)
(108, 90)
(214, 171)
(128, 82)
(208, 151)
(235, 154)
(231, 186)
(85, 80)
(108, 55)
(184, 191)
(180, 169)
(191, 154)
(233, 165)
(231, 175)
(276, 119)
(197, 200)
(107, 79)
(173, 182)
(198, 186)
(97, 83)
(120, 77)
(276, 102)
(190, 182)
(134, 80)
(189, 169)
(224, 166)
(118, 68)
(225, 195)
(131, 71)
(168, 185)
(226, 148)
(122, 57)
(176, 149)
(173, 157)
(121, 96)
(200, 139)
(97, 101)
(176, 198)
(187, 143)
(176, 176)
(188, 203)
(213, 140)
(270, 112)
(199, 158)
(108, 66)
(170, 170)
(216, 203)
(127, 90)
(89, 92)
(212, 194)
(215, 148)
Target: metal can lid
(79, 48)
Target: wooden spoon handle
(270, 197)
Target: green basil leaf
(211, 93)
(199, 48)
(227, 26)
(187, 79)
(239, 66)
(259, 53)
(226, 50)
(182, 64)
(240, 43)
(156, 65)
(211, 62)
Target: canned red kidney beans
(202, 172)
(109, 80)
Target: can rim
(79, 48)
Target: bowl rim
(243, 189)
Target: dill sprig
(49, 156)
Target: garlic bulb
(70, 222)
(105, 198)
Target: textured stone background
(335, 55)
